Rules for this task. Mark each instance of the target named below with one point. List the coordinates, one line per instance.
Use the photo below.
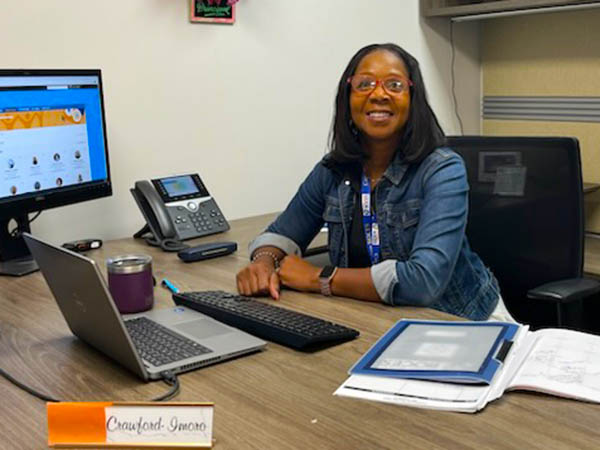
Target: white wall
(248, 106)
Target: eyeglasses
(365, 84)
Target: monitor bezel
(38, 201)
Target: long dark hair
(422, 133)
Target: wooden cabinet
(457, 8)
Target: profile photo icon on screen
(56, 157)
(59, 181)
(37, 185)
(34, 161)
(11, 164)
(76, 115)
(77, 154)
(13, 190)
(80, 178)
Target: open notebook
(558, 362)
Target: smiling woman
(394, 199)
(379, 106)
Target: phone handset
(163, 221)
(159, 223)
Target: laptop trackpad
(202, 328)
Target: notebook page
(564, 363)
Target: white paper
(522, 345)
(562, 362)
(416, 393)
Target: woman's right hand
(259, 278)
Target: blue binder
(461, 352)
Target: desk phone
(178, 208)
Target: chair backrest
(526, 217)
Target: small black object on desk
(207, 251)
(83, 245)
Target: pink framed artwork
(212, 11)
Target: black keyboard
(266, 321)
(158, 345)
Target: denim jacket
(422, 214)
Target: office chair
(318, 256)
(526, 222)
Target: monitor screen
(52, 139)
(53, 150)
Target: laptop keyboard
(158, 345)
(265, 320)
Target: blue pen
(170, 286)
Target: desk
(276, 399)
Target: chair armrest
(565, 291)
(316, 250)
(318, 256)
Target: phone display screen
(181, 187)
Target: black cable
(168, 377)
(36, 216)
(15, 231)
(27, 388)
(166, 244)
(172, 380)
(453, 78)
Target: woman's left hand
(297, 273)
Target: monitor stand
(15, 258)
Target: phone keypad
(206, 218)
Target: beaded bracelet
(272, 255)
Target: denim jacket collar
(396, 169)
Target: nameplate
(217, 11)
(130, 425)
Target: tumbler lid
(128, 263)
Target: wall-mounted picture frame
(212, 11)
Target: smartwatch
(325, 278)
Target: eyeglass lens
(365, 83)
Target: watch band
(325, 278)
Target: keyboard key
(158, 345)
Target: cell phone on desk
(178, 208)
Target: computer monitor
(53, 151)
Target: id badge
(375, 234)
(366, 204)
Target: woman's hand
(297, 273)
(259, 278)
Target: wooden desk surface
(276, 399)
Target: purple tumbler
(130, 282)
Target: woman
(394, 200)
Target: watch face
(327, 271)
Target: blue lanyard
(369, 220)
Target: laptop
(83, 297)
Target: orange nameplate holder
(129, 425)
